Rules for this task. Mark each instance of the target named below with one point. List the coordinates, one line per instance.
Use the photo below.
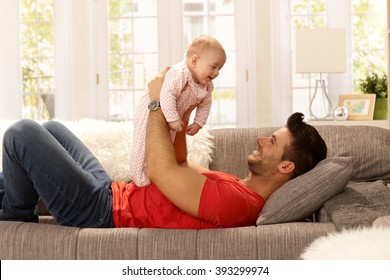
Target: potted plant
(374, 83)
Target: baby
(186, 83)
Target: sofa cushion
(303, 195)
(359, 204)
(368, 145)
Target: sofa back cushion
(368, 146)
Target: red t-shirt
(224, 202)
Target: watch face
(154, 105)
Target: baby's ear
(194, 60)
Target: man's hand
(155, 85)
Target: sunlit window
(132, 53)
(367, 37)
(216, 18)
(306, 14)
(37, 58)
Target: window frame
(170, 42)
(339, 15)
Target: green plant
(373, 83)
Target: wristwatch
(154, 105)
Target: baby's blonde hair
(203, 44)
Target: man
(50, 163)
(289, 152)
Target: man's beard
(262, 168)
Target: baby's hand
(176, 125)
(193, 129)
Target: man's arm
(180, 142)
(180, 146)
(180, 184)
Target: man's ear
(286, 167)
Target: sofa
(363, 157)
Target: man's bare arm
(180, 143)
(180, 147)
(180, 184)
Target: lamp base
(320, 106)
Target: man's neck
(263, 186)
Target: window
(309, 14)
(368, 38)
(37, 58)
(94, 58)
(213, 17)
(365, 27)
(133, 53)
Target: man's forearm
(180, 143)
(180, 184)
(180, 146)
(159, 151)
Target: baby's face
(208, 65)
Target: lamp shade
(320, 50)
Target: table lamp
(320, 51)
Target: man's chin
(254, 157)
(252, 163)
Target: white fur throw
(355, 244)
(111, 143)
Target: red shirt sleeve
(225, 202)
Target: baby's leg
(137, 160)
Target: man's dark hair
(307, 147)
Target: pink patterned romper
(178, 93)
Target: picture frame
(360, 106)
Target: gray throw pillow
(303, 195)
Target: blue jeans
(51, 163)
